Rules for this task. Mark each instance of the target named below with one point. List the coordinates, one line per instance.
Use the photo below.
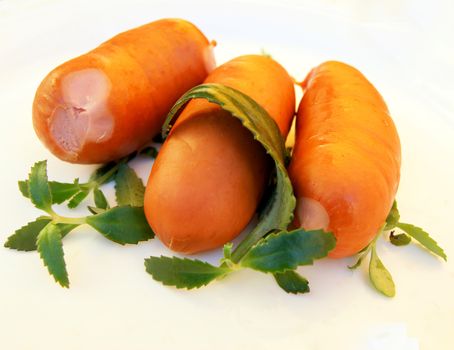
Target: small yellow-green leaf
(380, 276)
(393, 217)
(423, 237)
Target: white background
(405, 48)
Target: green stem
(245, 245)
(65, 220)
(58, 219)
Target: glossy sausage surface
(112, 100)
(345, 166)
(209, 176)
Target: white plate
(404, 48)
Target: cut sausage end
(83, 115)
(311, 214)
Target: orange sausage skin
(112, 100)
(345, 167)
(210, 173)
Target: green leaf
(100, 199)
(78, 198)
(393, 217)
(60, 191)
(400, 239)
(63, 191)
(149, 151)
(292, 282)
(23, 188)
(278, 211)
(122, 225)
(50, 249)
(287, 250)
(38, 187)
(380, 276)
(183, 273)
(129, 188)
(423, 237)
(24, 239)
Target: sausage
(112, 100)
(210, 173)
(345, 166)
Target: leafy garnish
(287, 250)
(24, 239)
(399, 239)
(380, 276)
(278, 211)
(60, 191)
(78, 198)
(183, 273)
(423, 237)
(129, 188)
(122, 225)
(393, 217)
(292, 282)
(38, 187)
(100, 199)
(50, 249)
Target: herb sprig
(123, 224)
(379, 276)
(269, 247)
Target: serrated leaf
(38, 187)
(122, 225)
(23, 188)
(380, 276)
(78, 198)
(100, 199)
(60, 191)
(283, 251)
(292, 282)
(24, 239)
(183, 273)
(399, 239)
(50, 249)
(393, 217)
(63, 191)
(129, 188)
(278, 211)
(424, 238)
